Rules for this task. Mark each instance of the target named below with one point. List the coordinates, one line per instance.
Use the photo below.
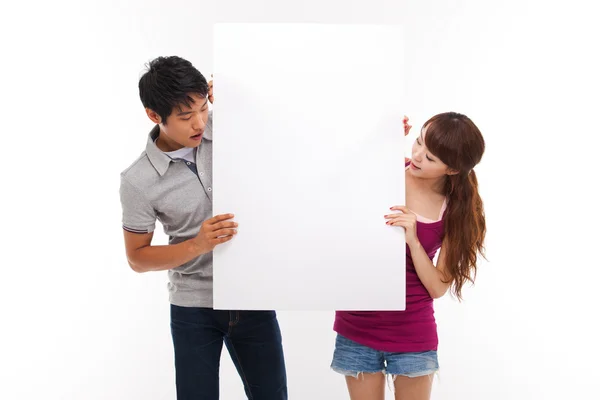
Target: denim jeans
(253, 340)
(353, 359)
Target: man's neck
(165, 144)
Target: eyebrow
(182, 113)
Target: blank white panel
(308, 155)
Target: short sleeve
(138, 214)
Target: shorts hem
(355, 374)
(417, 374)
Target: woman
(444, 212)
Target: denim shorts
(352, 359)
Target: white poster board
(308, 154)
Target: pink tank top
(412, 330)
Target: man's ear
(154, 117)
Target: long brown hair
(458, 143)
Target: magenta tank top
(412, 330)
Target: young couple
(172, 182)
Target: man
(172, 182)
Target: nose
(198, 123)
(418, 155)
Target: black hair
(169, 82)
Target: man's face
(185, 126)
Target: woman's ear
(451, 171)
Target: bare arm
(431, 276)
(143, 257)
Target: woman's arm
(432, 277)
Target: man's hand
(210, 91)
(214, 231)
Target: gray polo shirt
(156, 187)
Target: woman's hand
(406, 130)
(406, 219)
(406, 126)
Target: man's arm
(139, 219)
(143, 257)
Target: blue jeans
(253, 340)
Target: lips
(197, 137)
(414, 166)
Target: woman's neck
(435, 185)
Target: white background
(78, 324)
(308, 180)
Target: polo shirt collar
(157, 157)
